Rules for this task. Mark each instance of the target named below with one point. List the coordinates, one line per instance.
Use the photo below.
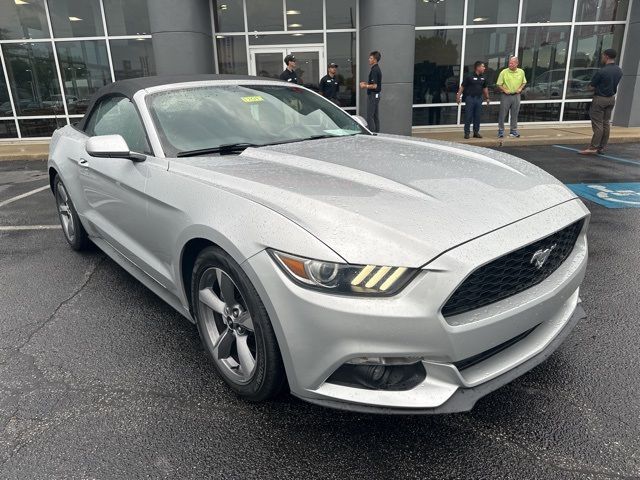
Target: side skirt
(142, 277)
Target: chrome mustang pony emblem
(541, 256)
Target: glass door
(269, 62)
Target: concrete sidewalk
(531, 135)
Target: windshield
(206, 118)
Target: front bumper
(317, 332)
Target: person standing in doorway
(605, 85)
(374, 88)
(473, 89)
(329, 84)
(511, 82)
(289, 73)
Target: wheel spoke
(63, 194)
(223, 344)
(64, 210)
(246, 360)
(245, 320)
(211, 300)
(227, 290)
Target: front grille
(512, 273)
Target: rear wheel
(234, 327)
(73, 230)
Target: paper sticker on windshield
(254, 99)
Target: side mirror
(111, 146)
(360, 120)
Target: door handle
(83, 162)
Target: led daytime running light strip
(378, 276)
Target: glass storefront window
(132, 58)
(341, 49)
(589, 42)
(33, 78)
(435, 115)
(127, 17)
(23, 20)
(540, 11)
(265, 15)
(493, 46)
(543, 57)
(40, 127)
(75, 18)
(285, 39)
(228, 16)
(232, 54)
(601, 10)
(576, 111)
(5, 100)
(539, 112)
(304, 15)
(436, 72)
(431, 13)
(484, 12)
(85, 68)
(341, 13)
(8, 129)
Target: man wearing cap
(472, 90)
(329, 84)
(373, 87)
(605, 85)
(289, 73)
(511, 81)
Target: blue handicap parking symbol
(610, 195)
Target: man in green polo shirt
(511, 81)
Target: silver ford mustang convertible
(364, 272)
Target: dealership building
(55, 53)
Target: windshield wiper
(221, 149)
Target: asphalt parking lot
(101, 379)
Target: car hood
(385, 199)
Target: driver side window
(118, 116)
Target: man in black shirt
(289, 73)
(373, 87)
(329, 84)
(605, 86)
(473, 89)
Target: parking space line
(24, 195)
(18, 228)
(610, 157)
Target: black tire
(73, 231)
(268, 377)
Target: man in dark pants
(605, 85)
(373, 87)
(329, 84)
(289, 73)
(473, 89)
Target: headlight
(342, 278)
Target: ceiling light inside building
(140, 39)
(20, 2)
(75, 19)
(223, 6)
(220, 36)
(295, 25)
(293, 12)
(481, 19)
(297, 34)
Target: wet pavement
(100, 379)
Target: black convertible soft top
(128, 88)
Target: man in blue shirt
(605, 86)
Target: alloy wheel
(228, 324)
(64, 212)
